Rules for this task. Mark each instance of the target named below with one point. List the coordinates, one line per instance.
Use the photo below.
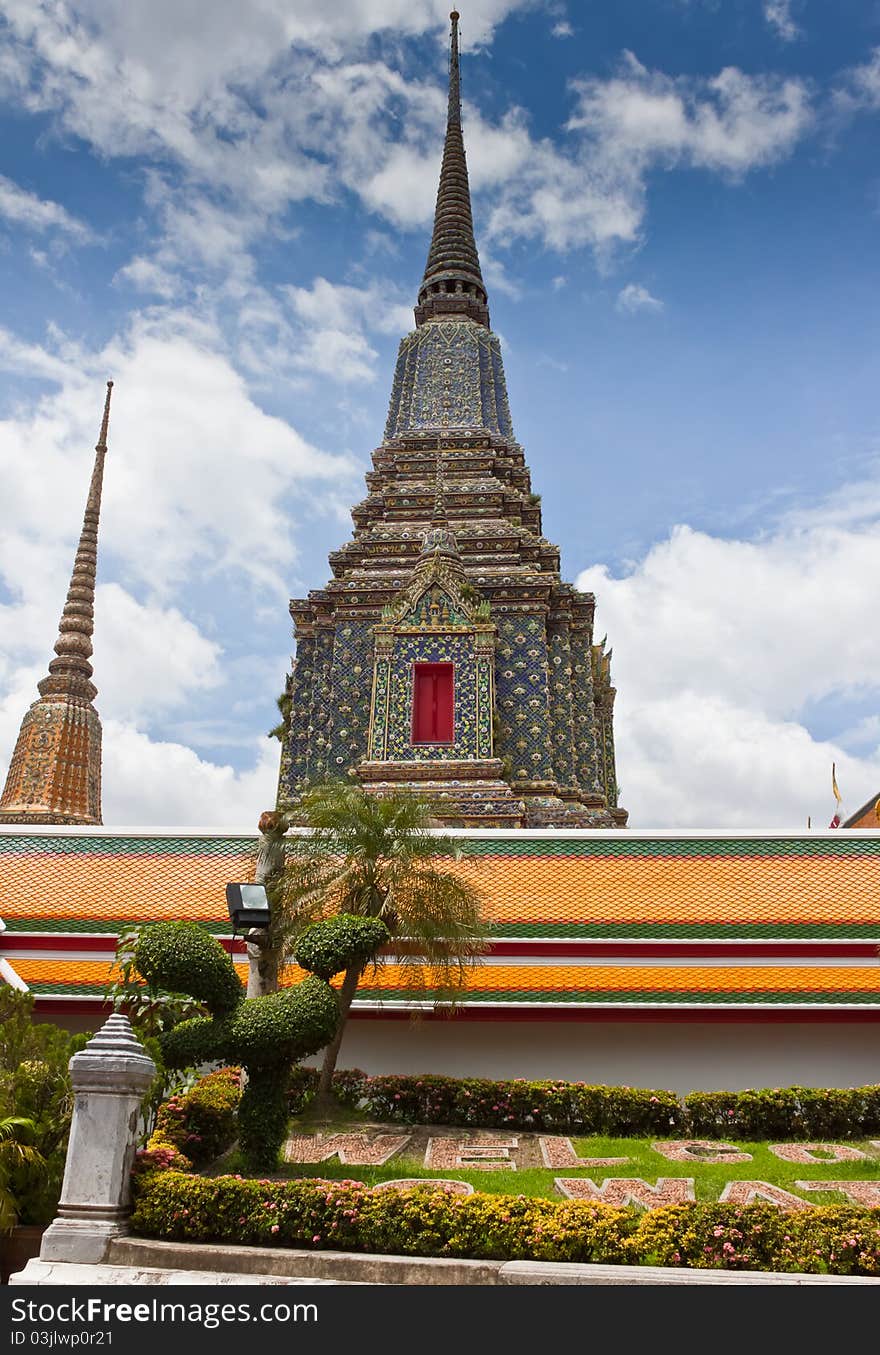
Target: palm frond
(374, 856)
(17, 1129)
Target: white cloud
(299, 112)
(336, 306)
(860, 87)
(722, 647)
(731, 122)
(198, 476)
(779, 17)
(562, 29)
(634, 297)
(148, 781)
(25, 209)
(149, 658)
(334, 317)
(592, 189)
(147, 276)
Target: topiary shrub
(266, 1035)
(175, 955)
(328, 948)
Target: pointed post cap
(114, 1060)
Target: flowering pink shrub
(349, 1216)
(201, 1122)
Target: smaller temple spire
(440, 538)
(439, 519)
(73, 648)
(453, 284)
(55, 772)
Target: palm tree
(16, 1134)
(373, 855)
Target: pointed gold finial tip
(455, 16)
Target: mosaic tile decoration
(449, 374)
(584, 711)
(521, 672)
(352, 683)
(561, 704)
(301, 690)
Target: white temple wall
(681, 1057)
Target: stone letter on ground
(805, 1153)
(483, 1152)
(865, 1193)
(353, 1150)
(699, 1150)
(620, 1191)
(750, 1192)
(558, 1152)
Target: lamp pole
(262, 944)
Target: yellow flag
(834, 788)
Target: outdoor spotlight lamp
(248, 906)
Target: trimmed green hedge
(480, 1102)
(775, 1114)
(808, 1113)
(426, 1221)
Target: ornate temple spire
(453, 284)
(55, 772)
(70, 670)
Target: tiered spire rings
(453, 284)
(55, 772)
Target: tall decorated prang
(55, 772)
(446, 656)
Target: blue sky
(226, 207)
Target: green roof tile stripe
(13, 845)
(550, 931)
(624, 845)
(627, 997)
(662, 997)
(682, 931)
(631, 846)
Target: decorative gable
(436, 609)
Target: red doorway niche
(433, 718)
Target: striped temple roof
(579, 920)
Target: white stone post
(110, 1077)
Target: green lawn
(644, 1162)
